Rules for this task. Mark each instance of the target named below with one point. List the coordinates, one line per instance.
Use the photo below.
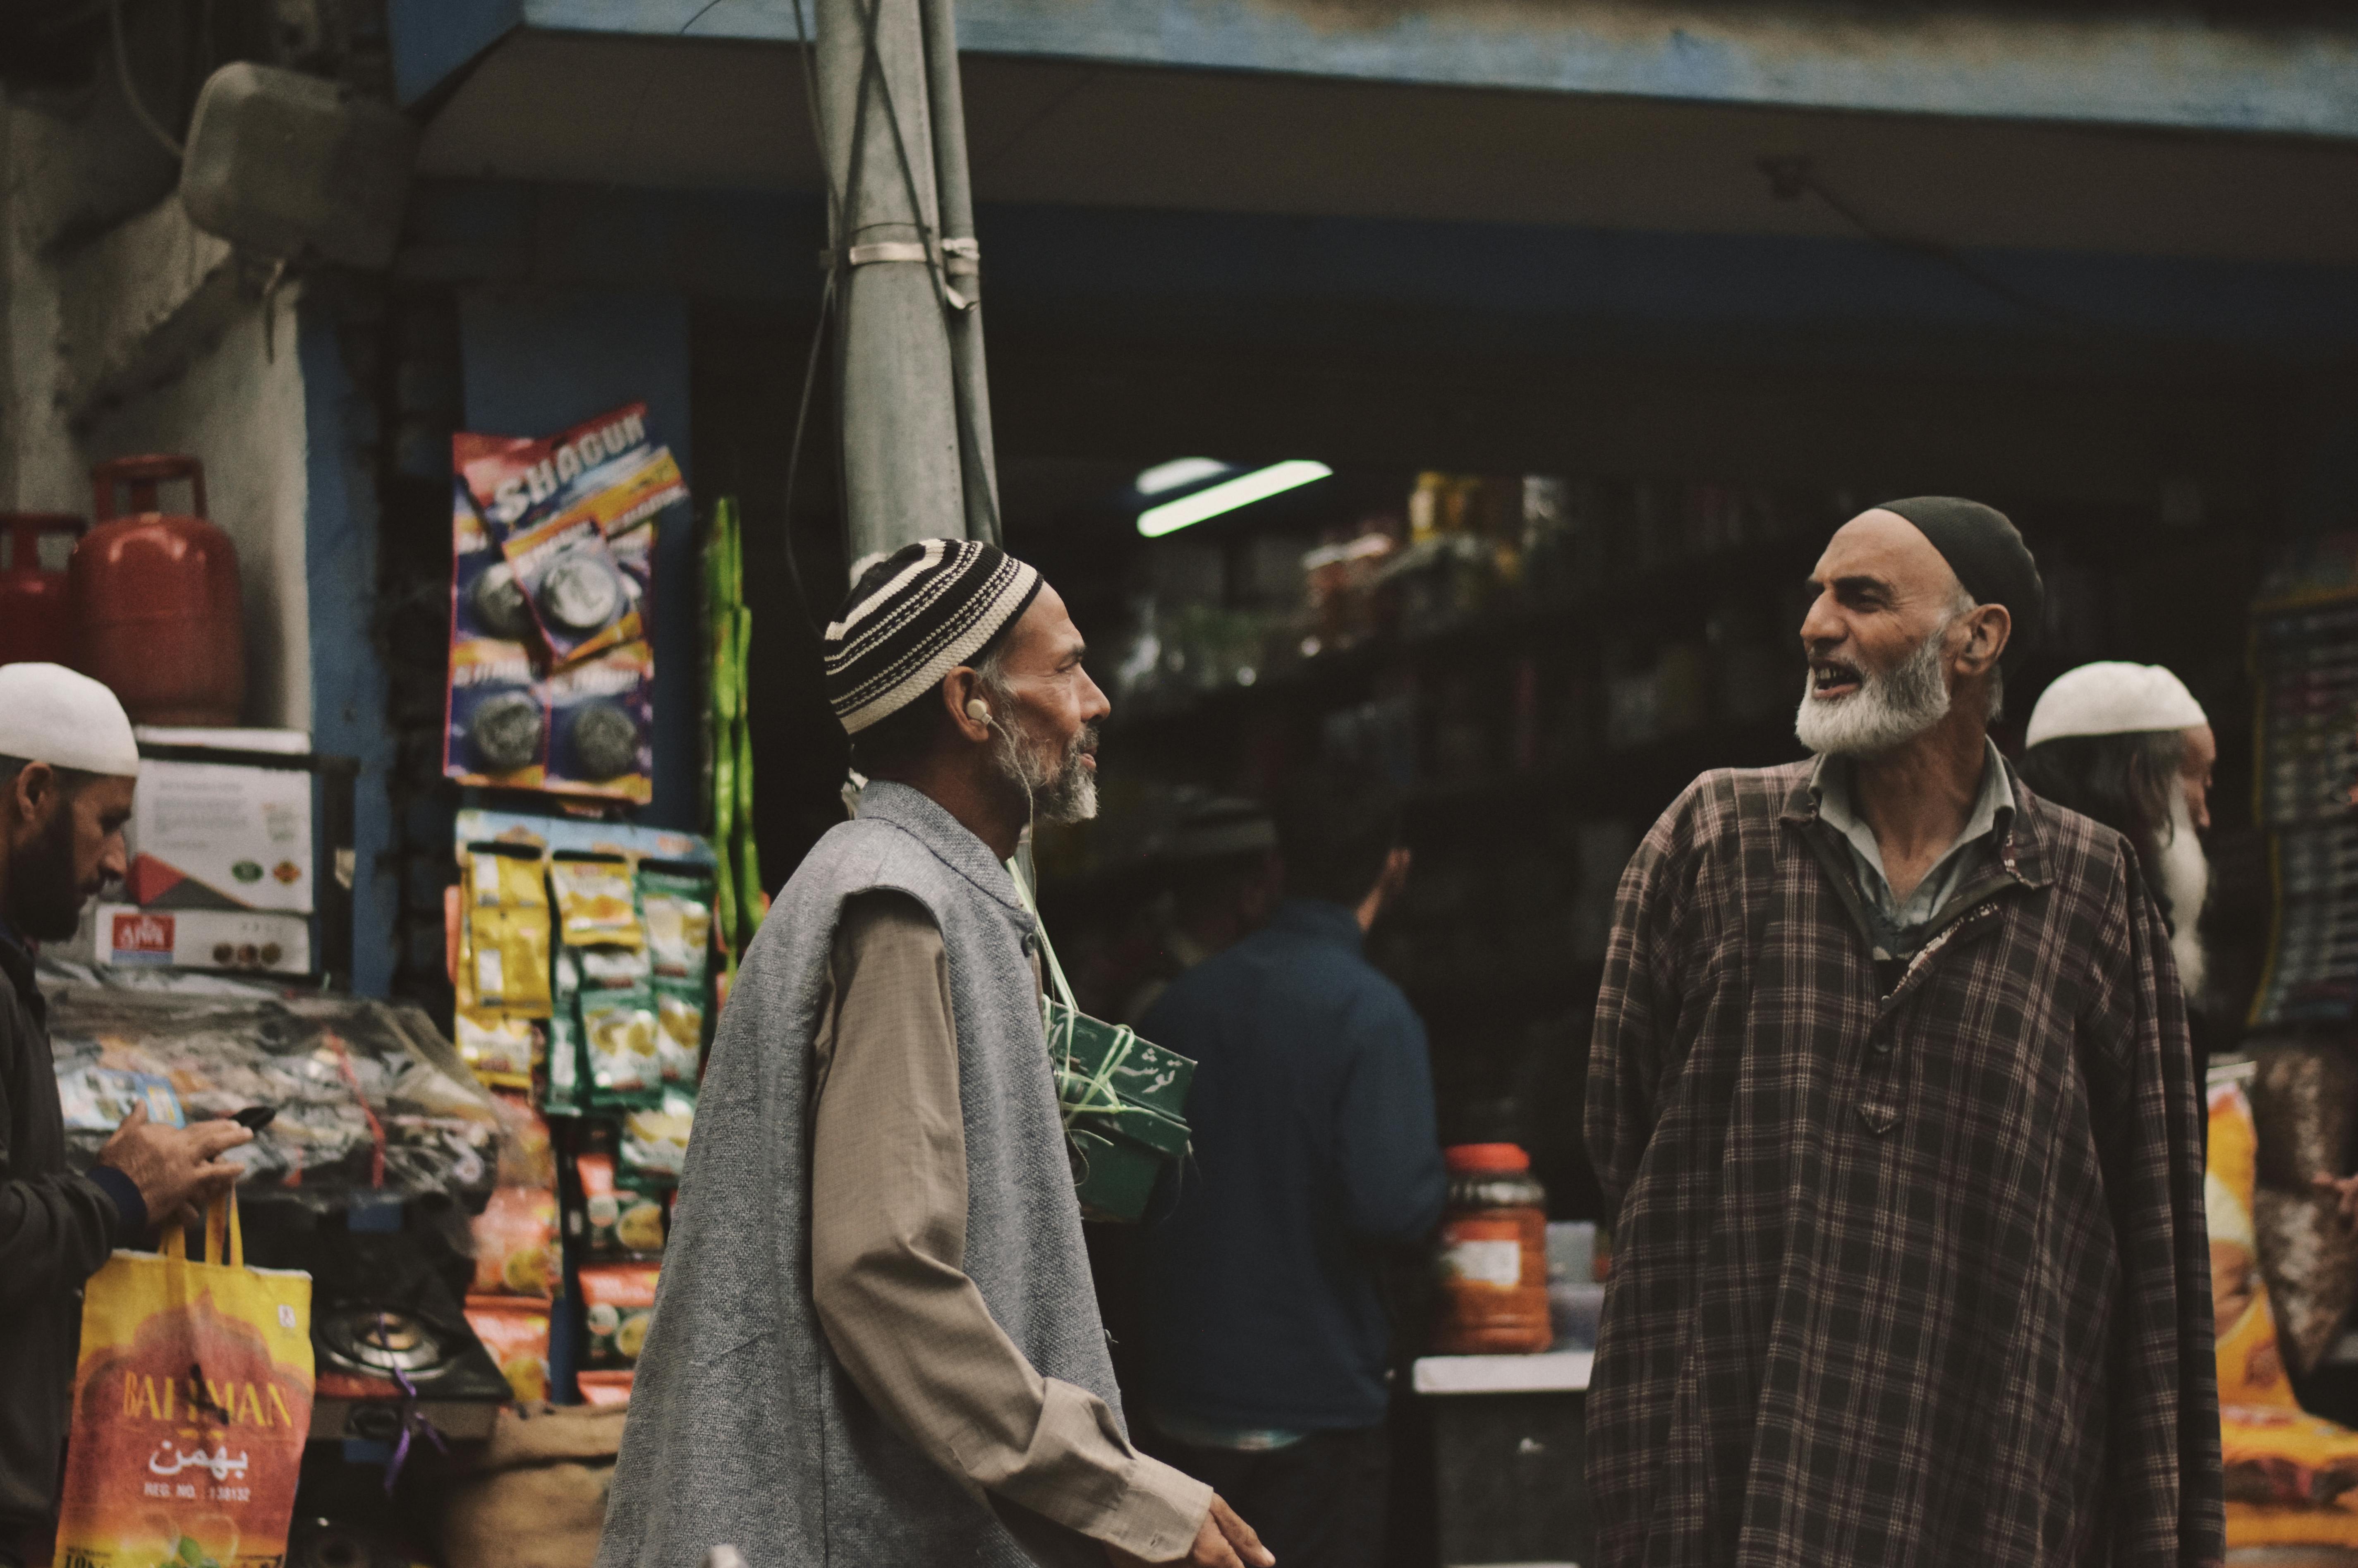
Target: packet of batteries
(601, 726)
(497, 729)
(625, 496)
(486, 605)
(516, 479)
(578, 596)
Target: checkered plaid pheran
(1906, 1270)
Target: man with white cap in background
(67, 764)
(2128, 745)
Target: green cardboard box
(1123, 1100)
(1118, 1158)
(1145, 1074)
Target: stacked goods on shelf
(2289, 1476)
(552, 676)
(502, 979)
(626, 928)
(738, 902)
(2305, 650)
(516, 1266)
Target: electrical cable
(1792, 177)
(846, 203)
(841, 204)
(131, 93)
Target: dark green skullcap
(1982, 547)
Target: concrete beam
(2160, 71)
(135, 303)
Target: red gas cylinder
(156, 607)
(36, 619)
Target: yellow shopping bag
(191, 1403)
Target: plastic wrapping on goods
(354, 1083)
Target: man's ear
(30, 795)
(963, 686)
(1988, 629)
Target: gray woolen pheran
(744, 1429)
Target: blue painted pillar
(349, 690)
(535, 361)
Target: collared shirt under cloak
(1918, 1279)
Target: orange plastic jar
(1492, 1257)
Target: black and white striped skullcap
(942, 602)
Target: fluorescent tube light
(1229, 495)
(1177, 473)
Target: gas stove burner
(378, 1344)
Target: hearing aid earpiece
(979, 710)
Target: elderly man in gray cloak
(875, 1341)
(1892, 1098)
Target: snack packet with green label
(619, 1038)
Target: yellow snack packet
(594, 906)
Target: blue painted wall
(349, 690)
(538, 359)
(1509, 288)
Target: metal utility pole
(962, 263)
(901, 474)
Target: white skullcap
(50, 714)
(2113, 699)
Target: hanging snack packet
(612, 968)
(500, 1051)
(528, 1155)
(515, 1243)
(503, 876)
(515, 1332)
(605, 1387)
(618, 1037)
(509, 953)
(655, 1141)
(564, 1094)
(618, 1299)
(594, 904)
(621, 1213)
(677, 911)
(679, 1030)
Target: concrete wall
(124, 330)
(237, 406)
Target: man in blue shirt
(1266, 1338)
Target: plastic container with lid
(1492, 1256)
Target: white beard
(1060, 791)
(2185, 878)
(1889, 708)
